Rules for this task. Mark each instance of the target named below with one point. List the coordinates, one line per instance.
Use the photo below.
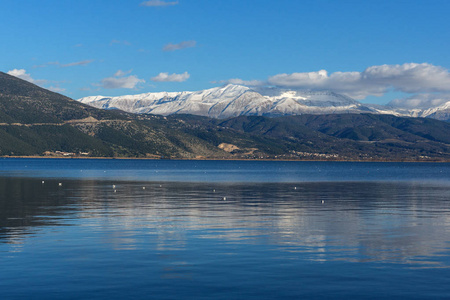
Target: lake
(163, 229)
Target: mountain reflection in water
(405, 222)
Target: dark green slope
(24, 102)
(35, 140)
(353, 135)
(34, 120)
(357, 127)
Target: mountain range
(38, 122)
(237, 100)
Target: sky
(374, 51)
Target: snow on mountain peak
(233, 100)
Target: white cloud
(165, 77)
(57, 89)
(241, 82)
(375, 80)
(86, 89)
(155, 3)
(179, 46)
(119, 81)
(120, 73)
(78, 63)
(128, 82)
(57, 63)
(22, 74)
(52, 63)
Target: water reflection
(350, 221)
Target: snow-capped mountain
(441, 112)
(235, 100)
(231, 101)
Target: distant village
(65, 154)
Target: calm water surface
(119, 229)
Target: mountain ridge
(235, 100)
(228, 101)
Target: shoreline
(232, 159)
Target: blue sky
(374, 51)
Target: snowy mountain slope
(236, 100)
(231, 101)
(441, 112)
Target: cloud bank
(120, 81)
(373, 81)
(155, 3)
(430, 83)
(421, 101)
(179, 46)
(165, 77)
